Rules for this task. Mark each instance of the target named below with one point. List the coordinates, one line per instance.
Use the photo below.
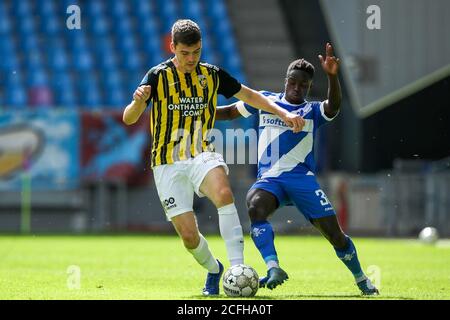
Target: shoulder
(158, 68)
(210, 66)
(313, 104)
(271, 95)
(268, 93)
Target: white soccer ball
(429, 235)
(240, 281)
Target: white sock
(231, 232)
(272, 264)
(363, 277)
(204, 256)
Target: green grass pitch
(157, 267)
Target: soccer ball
(429, 235)
(240, 281)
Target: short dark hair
(186, 31)
(301, 64)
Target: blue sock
(263, 238)
(349, 257)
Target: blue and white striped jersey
(280, 151)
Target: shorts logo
(211, 157)
(169, 203)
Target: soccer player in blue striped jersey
(286, 168)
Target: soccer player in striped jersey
(183, 93)
(286, 168)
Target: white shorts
(177, 182)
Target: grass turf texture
(157, 267)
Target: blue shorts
(303, 192)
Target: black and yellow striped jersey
(184, 108)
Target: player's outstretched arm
(134, 110)
(229, 112)
(331, 67)
(259, 101)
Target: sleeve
(319, 113)
(245, 110)
(150, 78)
(228, 86)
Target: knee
(190, 238)
(223, 197)
(256, 213)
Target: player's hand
(294, 121)
(142, 93)
(330, 64)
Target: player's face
(187, 56)
(297, 86)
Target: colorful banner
(110, 150)
(61, 149)
(41, 145)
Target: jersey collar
(283, 100)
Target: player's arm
(134, 110)
(331, 67)
(259, 101)
(229, 112)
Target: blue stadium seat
(34, 60)
(37, 77)
(16, 97)
(116, 98)
(111, 79)
(51, 26)
(9, 63)
(100, 26)
(27, 26)
(5, 24)
(133, 61)
(108, 61)
(29, 43)
(128, 44)
(192, 9)
(119, 41)
(22, 8)
(47, 8)
(168, 11)
(119, 9)
(82, 60)
(88, 90)
(95, 9)
(58, 60)
(217, 9)
(64, 93)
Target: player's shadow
(224, 297)
(342, 296)
(301, 297)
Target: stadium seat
(64, 91)
(117, 43)
(16, 98)
(5, 25)
(58, 60)
(83, 61)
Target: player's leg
(315, 206)
(186, 226)
(216, 187)
(261, 205)
(345, 250)
(176, 194)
